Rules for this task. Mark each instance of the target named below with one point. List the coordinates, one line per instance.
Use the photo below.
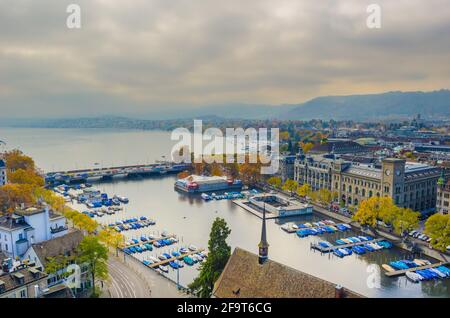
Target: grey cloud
(139, 55)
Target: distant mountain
(369, 107)
(391, 105)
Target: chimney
(339, 292)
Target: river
(190, 218)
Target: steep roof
(244, 277)
(58, 291)
(10, 281)
(12, 222)
(339, 147)
(58, 246)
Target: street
(125, 283)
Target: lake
(190, 218)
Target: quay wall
(160, 285)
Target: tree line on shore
(375, 209)
(26, 187)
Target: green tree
(219, 253)
(290, 185)
(368, 212)
(274, 181)
(95, 254)
(405, 220)
(325, 196)
(304, 190)
(437, 227)
(111, 238)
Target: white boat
(164, 268)
(180, 264)
(414, 277)
(154, 259)
(343, 251)
(192, 247)
(162, 257)
(205, 196)
(422, 262)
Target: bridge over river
(95, 174)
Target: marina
(190, 217)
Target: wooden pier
(155, 265)
(332, 248)
(403, 271)
(151, 241)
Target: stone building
(409, 184)
(443, 195)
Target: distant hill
(369, 107)
(391, 105)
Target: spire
(263, 245)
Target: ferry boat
(196, 184)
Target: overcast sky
(132, 57)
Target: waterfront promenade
(419, 246)
(132, 279)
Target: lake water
(190, 218)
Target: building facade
(25, 227)
(410, 185)
(443, 195)
(24, 283)
(287, 167)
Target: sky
(145, 56)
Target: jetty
(85, 175)
(331, 248)
(293, 230)
(156, 265)
(413, 269)
(150, 241)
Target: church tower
(263, 246)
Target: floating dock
(331, 248)
(150, 241)
(292, 230)
(413, 269)
(155, 265)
